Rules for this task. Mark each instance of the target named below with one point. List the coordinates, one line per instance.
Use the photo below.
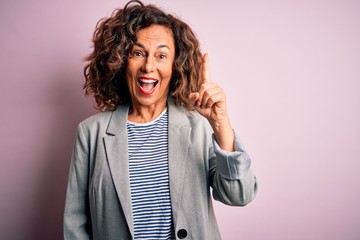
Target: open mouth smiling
(147, 85)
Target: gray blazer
(98, 200)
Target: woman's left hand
(210, 102)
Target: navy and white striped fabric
(149, 179)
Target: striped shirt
(149, 179)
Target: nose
(148, 65)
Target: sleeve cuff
(231, 165)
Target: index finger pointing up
(205, 68)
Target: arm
(210, 102)
(76, 214)
(231, 177)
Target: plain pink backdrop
(291, 71)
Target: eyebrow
(158, 47)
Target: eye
(137, 53)
(162, 56)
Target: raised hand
(210, 102)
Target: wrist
(224, 134)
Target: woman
(143, 167)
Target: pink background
(291, 71)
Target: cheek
(130, 74)
(168, 70)
(128, 79)
(131, 67)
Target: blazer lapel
(179, 139)
(116, 146)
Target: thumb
(193, 97)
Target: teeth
(147, 80)
(147, 86)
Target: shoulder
(179, 116)
(96, 119)
(196, 119)
(94, 126)
(105, 121)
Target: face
(149, 66)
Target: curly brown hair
(113, 40)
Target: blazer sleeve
(76, 213)
(232, 179)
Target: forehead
(156, 34)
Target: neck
(144, 114)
